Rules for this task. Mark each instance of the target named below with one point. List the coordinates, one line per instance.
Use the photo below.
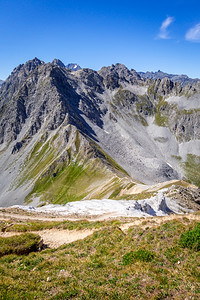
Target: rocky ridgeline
(182, 79)
(114, 123)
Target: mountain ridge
(183, 79)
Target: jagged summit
(28, 66)
(58, 62)
(69, 135)
(119, 69)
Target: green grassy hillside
(148, 262)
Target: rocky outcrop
(117, 74)
(188, 196)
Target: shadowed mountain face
(66, 135)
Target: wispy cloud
(193, 34)
(163, 33)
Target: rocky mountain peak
(32, 64)
(114, 75)
(17, 77)
(24, 69)
(58, 62)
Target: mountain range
(68, 133)
(183, 79)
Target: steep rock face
(17, 77)
(185, 126)
(100, 131)
(45, 98)
(163, 87)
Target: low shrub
(139, 255)
(191, 238)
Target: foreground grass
(144, 263)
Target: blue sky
(144, 35)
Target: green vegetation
(151, 90)
(115, 193)
(68, 183)
(124, 98)
(20, 244)
(177, 157)
(188, 111)
(77, 141)
(160, 116)
(140, 106)
(191, 238)
(41, 157)
(139, 255)
(144, 263)
(70, 177)
(192, 169)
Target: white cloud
(193, 34)
(163, 33)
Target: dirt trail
(155, 221)
(54, 238)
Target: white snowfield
(154, 206)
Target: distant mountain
(71, 66)
(65, 135)
(1, 82)
(183, 79)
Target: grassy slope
(74, 175)
(102, 267)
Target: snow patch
(154, 206)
